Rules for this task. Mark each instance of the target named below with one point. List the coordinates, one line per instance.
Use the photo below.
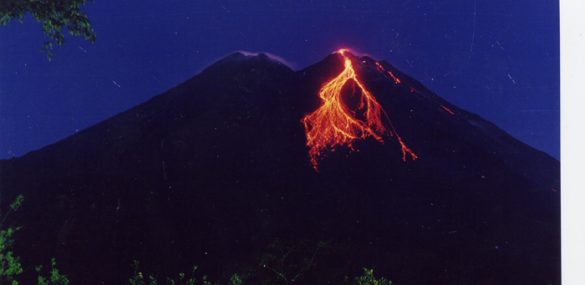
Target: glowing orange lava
(334, 124)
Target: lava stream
(334, 124)
(448, 110)
(394, 77)
(397, 81)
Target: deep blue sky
(497, 58)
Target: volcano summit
(217, 170)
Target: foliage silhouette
(55, 16)
(10, 266)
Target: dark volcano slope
(216, 169)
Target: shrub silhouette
(10, 266)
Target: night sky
(496, 58)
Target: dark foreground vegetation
(275, 263)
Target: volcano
(245, 155)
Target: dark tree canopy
(55, 17)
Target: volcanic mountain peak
(361, 61)
(247, 56)
(216, 168)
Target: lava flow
(381, 69)
(335, 124)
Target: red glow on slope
(396, 79)
(335, 124)
(381, 69)
(405, 150)
(449, 111)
